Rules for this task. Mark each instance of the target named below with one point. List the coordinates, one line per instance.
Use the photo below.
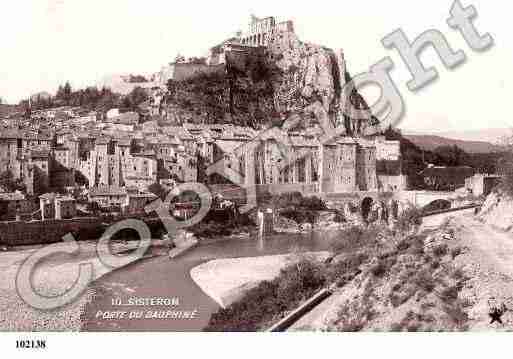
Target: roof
(107, 191)
(14, 133)
(40, 154)
(102, 140)
(143, 195)
(61, 147)
(179, 132)
(12, 196)
(227, 146)
(455, 171)
(127, 118)
(304, 141)
(48, 196)
(124, 142)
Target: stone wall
(185, 71)
(48, 231)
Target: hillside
(491, 135)
(430, 142)
(288, 83)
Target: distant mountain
(491, 135)
(430, 142)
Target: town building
(260, 29)
(14, 205)
(127, 200)
(440, 178)
(482, 184)
(55, 206)
(342, 165)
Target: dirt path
(488, 261)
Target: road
(488, 260)
(496, 246)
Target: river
(161, 277)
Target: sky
(45, 43)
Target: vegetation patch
(270, 300)
(393, 283)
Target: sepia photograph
(299, 167)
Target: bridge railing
(433, 213)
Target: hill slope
(288, 83)
(430, 142)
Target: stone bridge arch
(437, 204)
(421, 199)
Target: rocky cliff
(289, 83)
(497, 211)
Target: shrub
(425, 281)
(296, 200)
(441, 250)
(410, 218)
(382, 267)
(288, 199)
(345, 270)
(449, 294)
(270, 299)
(355, 238)
(412, 245)
(456, 251)
(457, 315)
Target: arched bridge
(421, 199)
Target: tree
(137, 78)
(67, 93)
(1, 101)
(158, 190)
(136, 97)
(452, 155)
(9, 183)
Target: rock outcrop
(288, 83)
(497, 211)
(309, 84)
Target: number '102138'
(30, 344)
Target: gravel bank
(51, 278)
(226, 280)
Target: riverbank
(227, 280)
(53, 276)
(162, 277)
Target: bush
(382, 267)
(296, 200)
(449, 294)
(456, 251)
(425, 281)
(409, 218)
(355, 238)
(441, 250)
(269, 299)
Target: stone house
(55, 206)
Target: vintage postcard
(255, 167)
